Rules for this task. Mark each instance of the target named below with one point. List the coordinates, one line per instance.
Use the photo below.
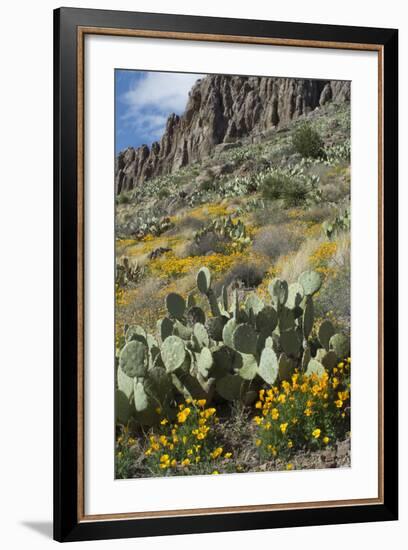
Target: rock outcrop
(223, 109)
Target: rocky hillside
(221, 110)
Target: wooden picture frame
(70, 27)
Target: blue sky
(144, 100)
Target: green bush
(273, 186)
(163, 193)
(307, 141)
(123, 198)
(294, 189)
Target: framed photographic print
(225, 274)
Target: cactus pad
(173, 353)
(278, 290)
(191, 300)
(308, 317)
(286, 319)
(195, 315)
(140, 396)
(182, 331)
(326, 331)
(286, 367)
(295, 295)
(176, 305)
(223, 357)
(315, 367)
(165, 328)
(231, 387)
(125, 383)
(290, 342)
(205, 362)
(340, 344)
(329, 360)
(246, 366)
(253, 304)
(158, 386)
(215, 326)
(201, 335)
(224, 296)
(122, 407)
(135, 332)
(266, 320)
(311, 282)
(204, 280)
(244, 339)
(268, 366)
(133, 358)
(227, 332)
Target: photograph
(232, 197)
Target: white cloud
(153, 98)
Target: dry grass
(293, 265)
(276, 240)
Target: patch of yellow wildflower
(320, 259)
(295, 213)
(170, 265)
(123, 454)
(187, 444)
(312, 230)
(305, 412)
(210, 210)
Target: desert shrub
(186, 224)
(306, 412)
(273, 186)
(317, 214)
(206, 184)
(331, 193)
(335, 192)
(307, 141)
(163, 193)
(275, 240)
(123, 198)
(295, 193)
(247, 274)
(268, 215)
(292, 186)
(210, 242)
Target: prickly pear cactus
(228, 354)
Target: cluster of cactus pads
(152, 226)
(228, 355)
(340, 223)
(128, 272)
(225, 227)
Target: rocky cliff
(222, 109)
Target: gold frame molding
(81, 33)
